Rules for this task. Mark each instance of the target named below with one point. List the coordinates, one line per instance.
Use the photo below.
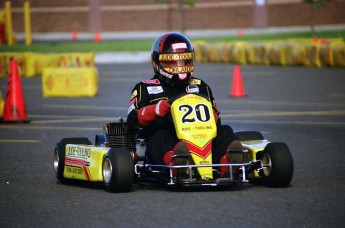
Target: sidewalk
(122, 57)
(135, 35)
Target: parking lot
(304, 107)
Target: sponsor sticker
(152, 81)
(78, 152)
(155, 89)
(192, 89)
(179, 46)
(195, 81)
(133, 102)
(74, 170)
(165, 74)
(130, 108)
(131, 105)
(176, 56)
(181, 69)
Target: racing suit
(160, 135)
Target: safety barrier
(300, 52)
(70, 82)
(32, 64)
(5, 59)
(35, 63)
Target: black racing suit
(160, 135)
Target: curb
(122, 57)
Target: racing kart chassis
(190, 180)
(118, 159)
(120, 165)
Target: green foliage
(316, 3)
(185, 2)
(190, 2)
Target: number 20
(202, 113)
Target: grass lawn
(145, 45)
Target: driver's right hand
(162, 108)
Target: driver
(172, 56)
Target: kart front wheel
(277, 164)
(117, 170)
(60, 152)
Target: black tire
(278, 165)
(59, 155)
(117, 170)
(249, 135)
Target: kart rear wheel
(278, 165)
(249, 135)
(118, 170)
(59, 154)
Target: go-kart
(119, 160)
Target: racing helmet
(172, 56)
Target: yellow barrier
(312, 58)
(199, 47)
(70, 82)
(295, 54)
(5, 58)
(238, 52)
(338, 53)
(77, 60)
(32, 64)
(36, 62)
(277, 53)
(260, 54)
(304, 52)
(325, 56)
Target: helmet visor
(177, 63)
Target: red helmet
(172, 56)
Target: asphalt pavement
(303, 107)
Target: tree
(314, 4)
(172, 6)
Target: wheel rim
(107, 170)
(56, 160)
(267, 164)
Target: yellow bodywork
(195, 124)
(253, 147)
(84, 162)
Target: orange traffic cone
(97, 37)
(15, 110)
(239, 32)
(74, 35)
(237, 89)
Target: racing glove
(149, 113)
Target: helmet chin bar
(175, 78)
(176, 81)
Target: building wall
(141, 15)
